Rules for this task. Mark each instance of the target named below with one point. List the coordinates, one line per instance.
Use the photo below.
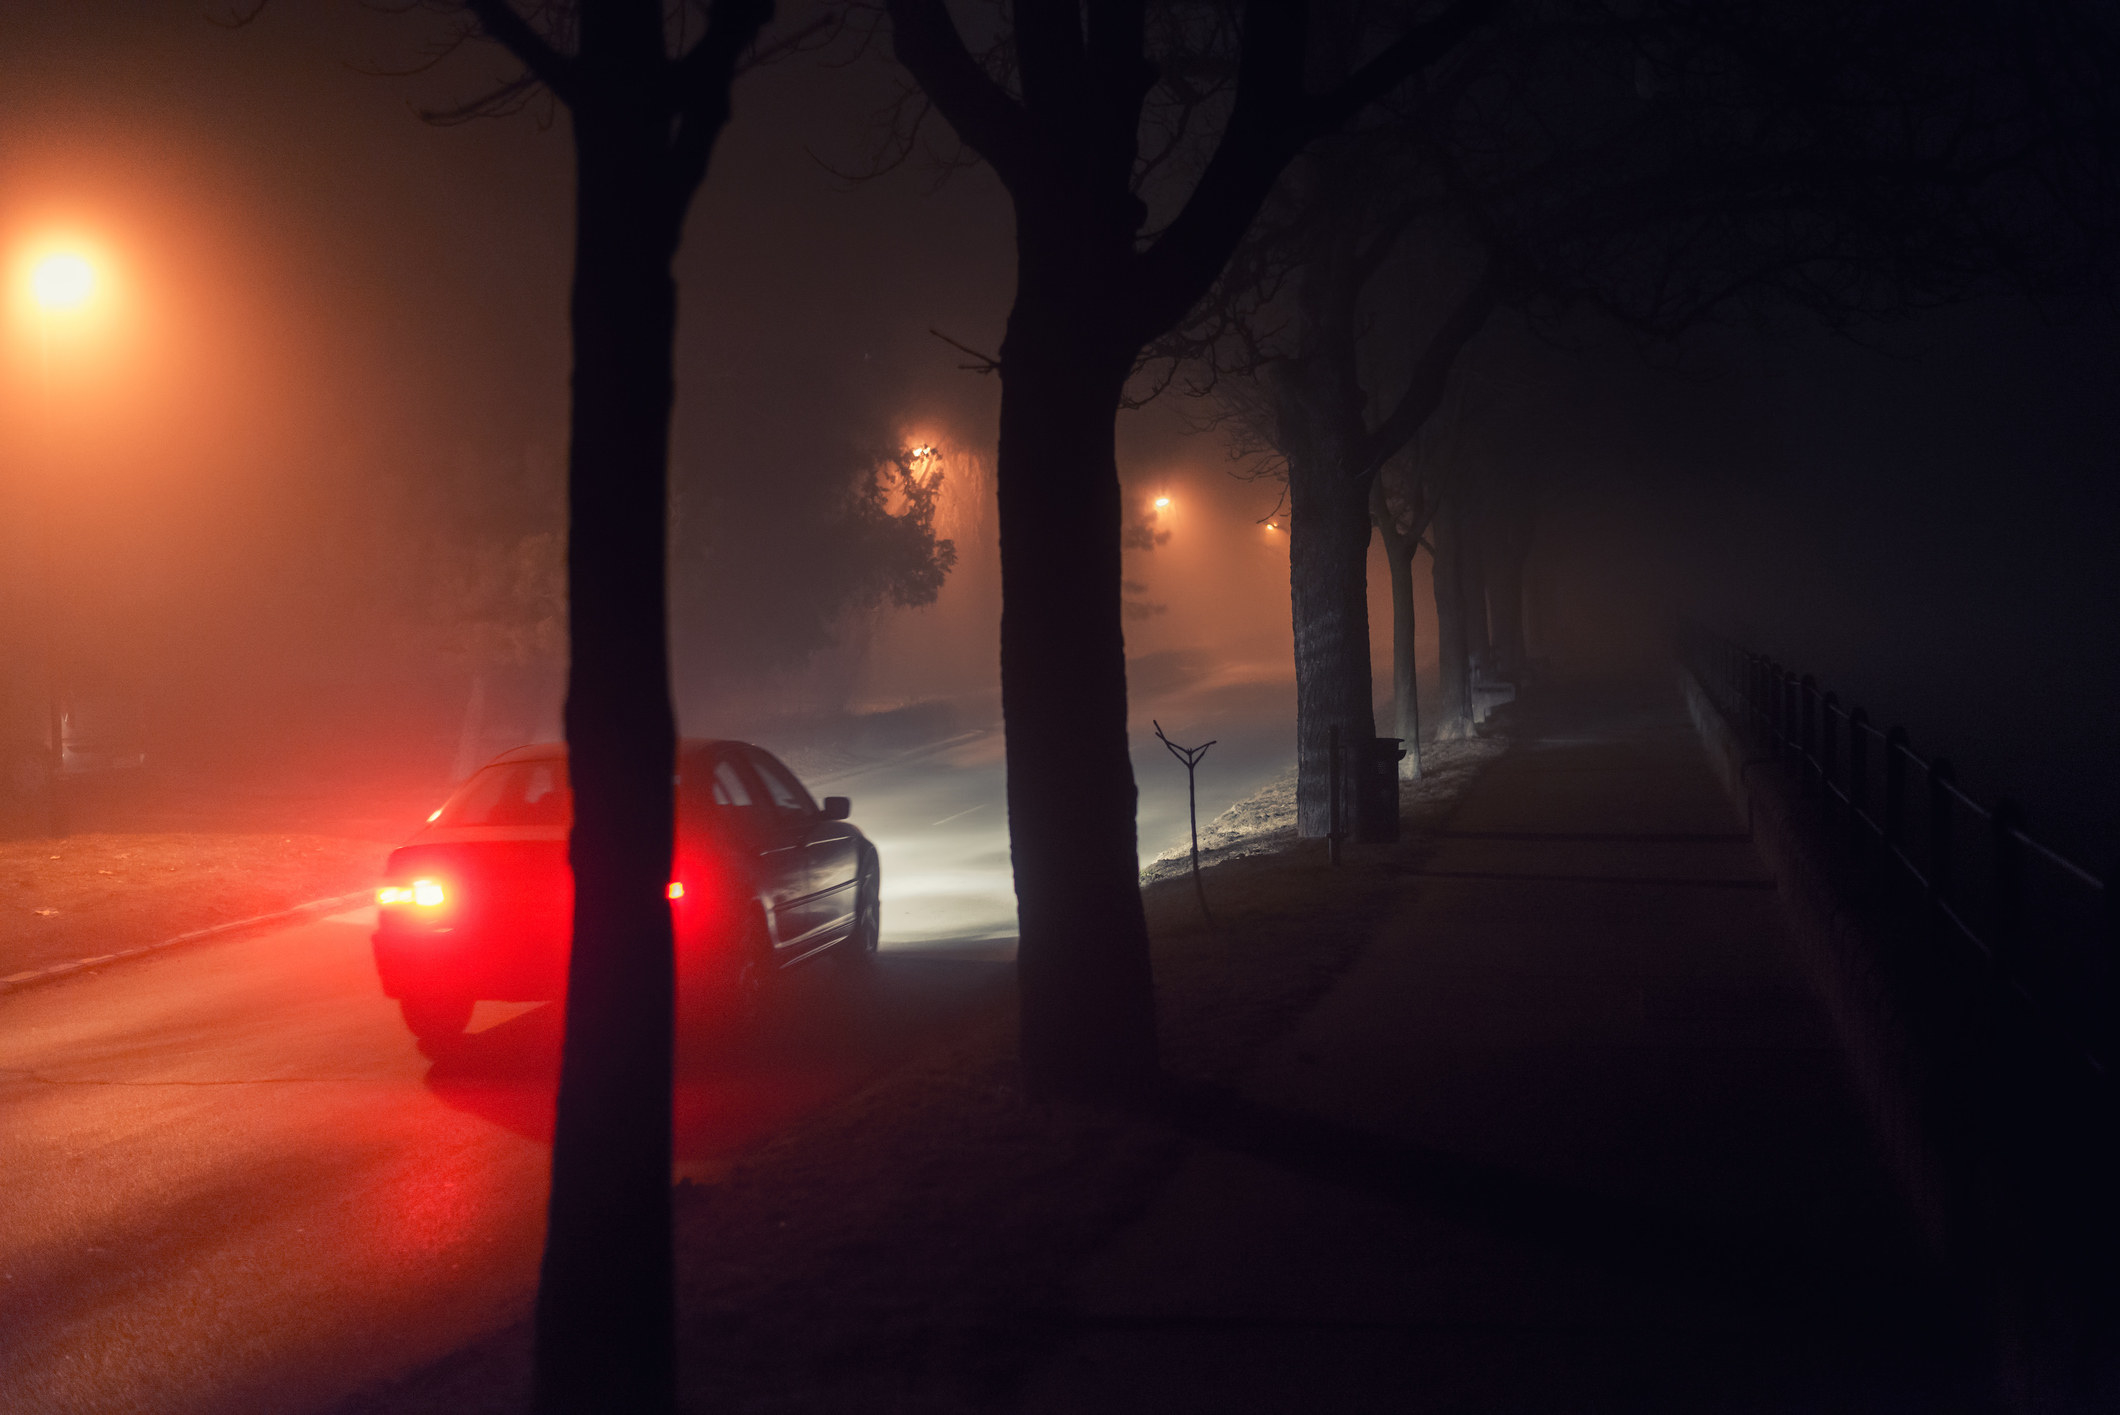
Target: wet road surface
(233, 1182)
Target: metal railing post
(1858, 782)
(1940, 778)
(1781, 686)
(1791, 715)
(1828, 778)
(1895, 793)
(2109, 962)
(1807, 748)
(2006, 903)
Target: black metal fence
(1969, 877)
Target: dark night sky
(347, 331)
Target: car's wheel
(859, 949)
(751, 968)
(436, 1019)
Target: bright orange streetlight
(1162, 503)
(62, 280)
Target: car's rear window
(513, 794)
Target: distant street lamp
(60, 282)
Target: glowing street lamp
(1162, 503)
(62, 280)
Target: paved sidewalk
(1571, 1136)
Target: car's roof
(557, 751)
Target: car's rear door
(827, 905)
(774, 844)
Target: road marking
(965, 812)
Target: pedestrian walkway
(1572, 1135)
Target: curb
(15, 982)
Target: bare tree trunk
(1089, 1026)
(1453, 649)
(1328, 581)
(1472, 587)
(1505, 603)
(605, 1302)
(1334, 460)
(1090, 295)
(1405, 682)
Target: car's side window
(780, 783)
(729, 789)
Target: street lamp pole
(60, 281)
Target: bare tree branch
(700, 83)
(926, 40)
(1416, 50)
(506, 26)
(1431, 375)
(987, 363)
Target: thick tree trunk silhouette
(1321, 429)
(1505, 602)
(1091, 293)
(1472, 589)
(604, 1294)
(1453, 651)
(1328, 551)
(1399, 548)
(1334, 457)
(644, 124)
(1082, 954)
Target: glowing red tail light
(422, 893)
(676, 889)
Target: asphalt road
(232, 1183)
(229, 1181)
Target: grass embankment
(82, 896)
(912, 1247)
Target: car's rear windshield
(513, 794)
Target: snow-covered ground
(1265, 820)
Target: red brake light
(676, 889)
(426, 893)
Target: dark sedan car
(479, 904)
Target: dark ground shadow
(822, 1031)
